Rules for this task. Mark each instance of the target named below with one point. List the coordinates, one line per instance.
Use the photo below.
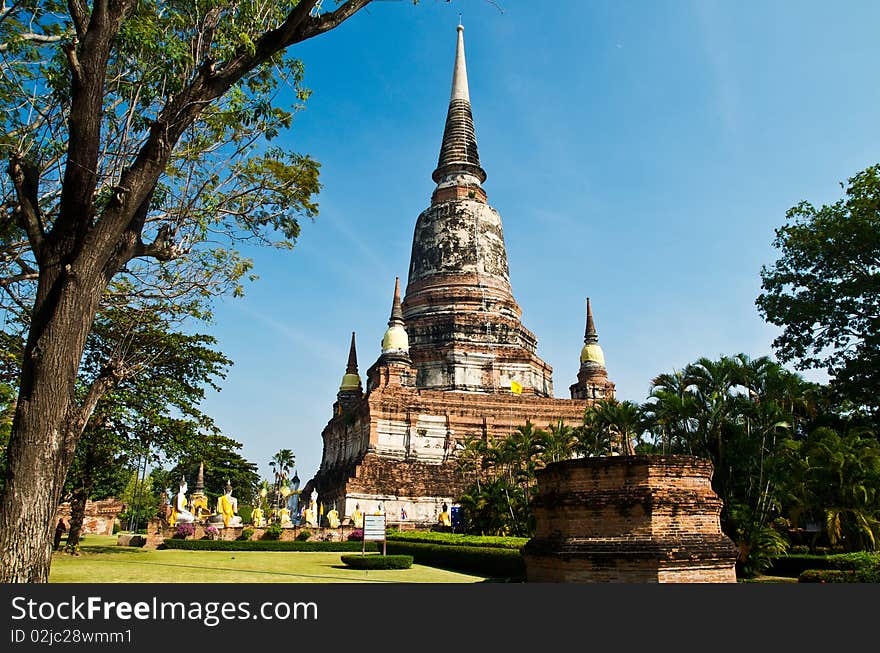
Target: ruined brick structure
(98, 519)
(454, 350)
(634, 519)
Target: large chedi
(462, 320)
(454, 350)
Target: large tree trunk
(41, 445)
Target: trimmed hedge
(457, 539)
(793, 566)
(378, 561)
(478, 560)
(840, 576)
(264, 545)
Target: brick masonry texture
(634, 519)
(98, 519)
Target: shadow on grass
(87, 549)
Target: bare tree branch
(25, 276)
(36, 38)
(163, 247)
(333, 19)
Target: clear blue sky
(639, 152)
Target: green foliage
(484, 561)
(458, 539)
(497, 507)
(863, 574)
(378, 561)
(758, 545)
(138, 493)
(246, 534)
(828, 576)
(273, 532)
(836, 478)
(222, 463)
(264, 545)
(824, 292)
(609, 426)
(303, 535)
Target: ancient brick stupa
(628, 519)
(455, 361)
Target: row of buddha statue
(195, 509)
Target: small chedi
(198, 502)
(631, 519)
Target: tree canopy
(824, 290)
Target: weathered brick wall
(629, 519)
(408, 461)
(98, 519)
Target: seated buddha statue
(333, 518)
(227, 507)
(284, 518)
(310, 518)
(257, 516)
(357, 517)
(179, 512)
(443, 518)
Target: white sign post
(374, 531)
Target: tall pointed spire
(459, 162)
(352, 367)
(592, 379)
(459, 73)
(592, 355)
(591, 336)
(351, 380)
(396, 310)
(395, 339)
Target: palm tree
(671, 413)
(471, 451)
(559, 442)
(610, 426)
(281, 464)
(846, 484)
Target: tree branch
(26, 182)
(88, 58)
(25, 276)
(333, 19)
(163, 248)
(73, 61)
(111, 374)
(139, 180)
(35, 38)
(79, 14)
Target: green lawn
(100, 561)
